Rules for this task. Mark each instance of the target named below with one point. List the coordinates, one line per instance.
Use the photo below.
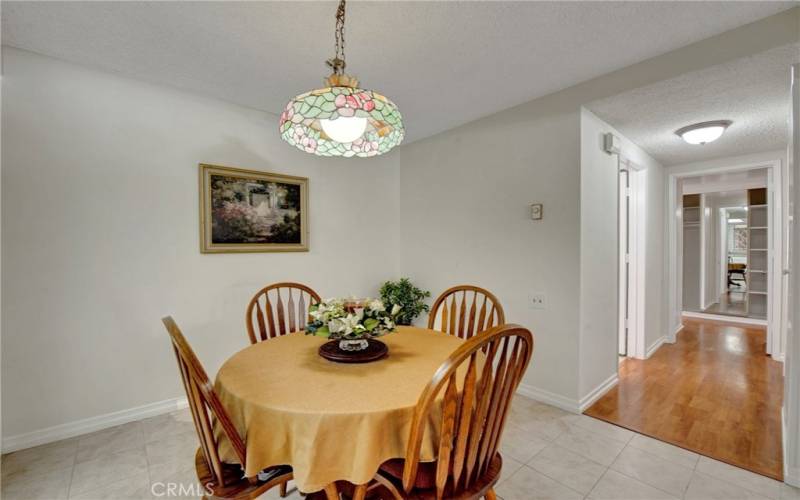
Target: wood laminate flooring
(714, 392)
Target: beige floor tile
(703, 487)
(592, 446)
(103, 471)
(52, 484)
(109, 441)
(180, 448)
(655, 471)
(25, 464)
(789, 492)
(616, 486)
(664, 450)
(599, 427)
(168, 425)
(510, 466)
(546, 421)
(179, 484)
(527, 406)
(519, 444)
(528, 484)
(756, 483)
(568, 468)
(131, 488)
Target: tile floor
(547, 453)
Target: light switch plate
(536, 300)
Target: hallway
(731, 303)
(714, 391)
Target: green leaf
(371, 323)
(323, 332)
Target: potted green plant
(411, 299)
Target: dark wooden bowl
(375, 350)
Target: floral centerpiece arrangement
(351, 321)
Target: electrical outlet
(536, 300)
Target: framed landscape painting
(252, 211)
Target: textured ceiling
(752, 91)
(443, 63)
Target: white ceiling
(443, 63)
(752, 91)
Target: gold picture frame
(252, 211)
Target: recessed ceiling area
(443, 63)
(753, 92)
(737, 181)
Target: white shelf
(755, 271)
(758, 250)
(757, 227)
(756, 292)
(757, 206)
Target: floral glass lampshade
(341, 119)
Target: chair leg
(360, 492)
(282, 489)
(491, 495)
(332, 492)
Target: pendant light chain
(338, 62)
(341, 118)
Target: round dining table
(329, 421)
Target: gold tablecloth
(329, 421)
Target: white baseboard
(658, 343)
(674, 336)
(598, 392)
(791, 476)
(727, 319)
(550, 398)
(91, 424)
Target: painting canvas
(252, 211)
(740, 238)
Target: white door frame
(775, 327)
(636, 347)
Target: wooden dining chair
(220, 480)
(474, 387)
(270, 316)
(465, 310)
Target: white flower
(396, 309)
(336, 325)
(377, 305)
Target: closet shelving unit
(757, 253)
(692, 220)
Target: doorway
(631, 341)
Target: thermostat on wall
(537, 211)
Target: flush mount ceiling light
(341, 119)
(703, 133)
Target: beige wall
(100, 239)
(465, 218)
(600, 246)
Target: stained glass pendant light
(341, 119)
